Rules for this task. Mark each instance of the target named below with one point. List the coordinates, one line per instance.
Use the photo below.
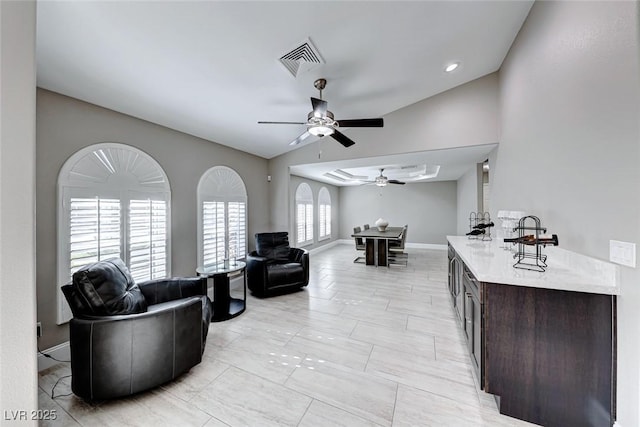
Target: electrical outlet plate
(623, 253)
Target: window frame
(72, 184)
(304, 197)
(232, 190)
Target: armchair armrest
(257, 272)
(163, 290)
(301, 256)
(298, 255)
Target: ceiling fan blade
(342, 138)
(301, 138)
(395, 181)
(319, 107)
(361, 123)
(281, 123)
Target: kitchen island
(543, 343)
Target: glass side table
(224, 306)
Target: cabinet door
(468, 318)
(476, 348)
(452, 277)
(460, 300)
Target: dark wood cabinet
(549, 356)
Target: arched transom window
(304, 214)
(114, 201)
(222, 216)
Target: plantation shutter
(213, 232)
(300, 222)
(237, 230)
(147, 239)
(324, 213)
(94, 231)
(304, 214)
(309, 222)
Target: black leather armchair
(138, 336)
(274, 267)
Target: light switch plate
(623, 253)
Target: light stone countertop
(567, 271)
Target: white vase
(382, 224)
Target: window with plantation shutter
(324, 214)
(94, 231)
(304, 215)
(113, 202)
(222, 216)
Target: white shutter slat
(309, 223)
(147, 239)
(237, 239)
(94, 231)
(213, 232)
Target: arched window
(324, 214)
(222, 216)
(114, 201)
(304, 214)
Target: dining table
(377, 244)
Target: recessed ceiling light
(452, 67)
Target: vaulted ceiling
(212, 69)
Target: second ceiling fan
(321, 122)
(382, 180)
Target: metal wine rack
(478, 219)
(534, 261)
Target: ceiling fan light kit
(382, 181)
(321, 122)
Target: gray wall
(570, 145)
(428, 208)
(18, 368)
(65, 125)
(464, 116)
(334, 192)
(467, 199)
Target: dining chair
(366, 226)
(396, 254)
(359, 245)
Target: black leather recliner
(274, 267)
(125, 337)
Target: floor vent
(304, 57)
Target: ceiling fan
(382, 180)
(320, 121)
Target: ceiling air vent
(302, 58)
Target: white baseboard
(323, 247)
(60, 352)
(426, 246)
(408, 245)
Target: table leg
(382, 252)
(221, 297)
(370, 249)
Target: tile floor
(360, 346)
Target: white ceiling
(452, 163)
(211, 69)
